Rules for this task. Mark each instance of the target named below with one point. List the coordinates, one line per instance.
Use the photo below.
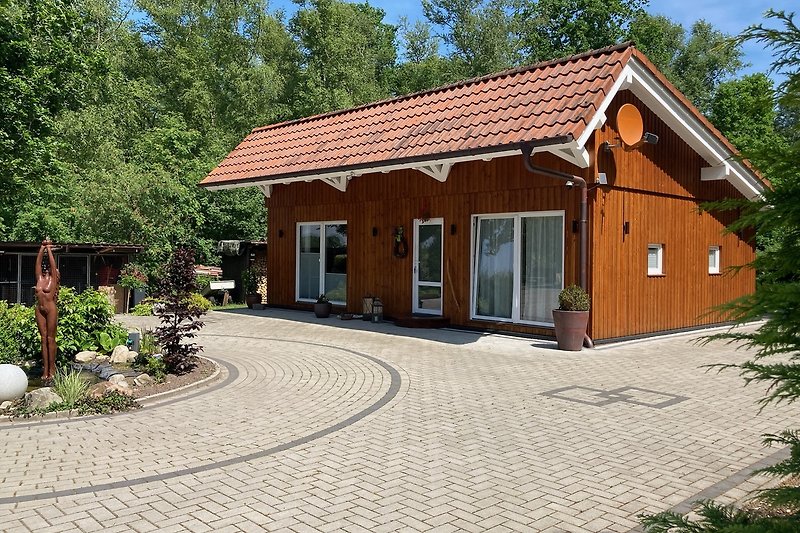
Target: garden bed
(203, 369)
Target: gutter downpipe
(527, 151)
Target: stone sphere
(13, 382)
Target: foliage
(111, 401)
(322, 299)
(132, 277)
(82, 318)
(114, 335)
(70, 384)
(347, 55)
(143, 308)
(251, 277)
(148, 344)
(179, 320)
(573, 298)
(19, 338)
(777, 297)
(199, 303)
(152, 366)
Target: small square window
(655, 259)
(713, 259)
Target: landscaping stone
(132, 356)
(99, 389)
(86, 356)
(5, 405)
(120, 354)
(13, 382)
(143, 380)
(41, 398)
(119, 379)
(102, 359)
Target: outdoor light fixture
(377, 310)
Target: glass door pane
(308, 271)
(542, 267)
(428, 242)
(495, 268)
(336, 262)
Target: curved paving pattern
(448, 431)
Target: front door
(428, 249)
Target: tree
(559, 28)
(348, 54)
(422, 67)
(777, 297)
(179, 319)
(481, 34)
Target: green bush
(199, 303)
(155, 367)
(573, 298)
(142, 309)
(81, 319)
(19, 338)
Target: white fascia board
(682, 120)
(719, 172)
(442, 166)
(596, 122)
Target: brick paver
(326, 425)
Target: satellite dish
(630, 124)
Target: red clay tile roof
(545, 103)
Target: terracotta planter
(251, 299)
(323, 310)
(570, 329)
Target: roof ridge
(462, 83)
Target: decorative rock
(5, 405)
(102, 359)
(132, 356)
(13, 382)
(41, 398)
(86, 356)
(99, 389)
(120, 354)
(119, 380)
(143, 381)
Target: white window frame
(515, 305)
(322, 258)
(658, 270)
(716, 249)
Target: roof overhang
(723, 162)
(436, 166)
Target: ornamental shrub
(573, 298)
(19, 338)
(81, 319)
(179, 320)
(199, 302)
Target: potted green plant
(571, 318)
(322, 308)
(250, 280)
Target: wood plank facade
(654, 192)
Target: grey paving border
(721, 487)
(394, 388)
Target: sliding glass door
(322, 261)
(518, 267)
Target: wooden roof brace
(717, 172)
(266, 190)
(438, 172)
(337, 182)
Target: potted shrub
(250, 279)
(323, 307)
(571, 318)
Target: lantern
(377, 310)
(366, 303)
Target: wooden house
(464, 202)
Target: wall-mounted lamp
(280, 234)
(601, 179)
(452, 229)
(374, 231)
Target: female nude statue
(47, 283)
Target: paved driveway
(325, 425)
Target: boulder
(41, 398)
(102, 359)
(143, 380)
(132, 356)
(119, 380)
(120, 354)
(13, 382)
(5, 405)
(99, 389)
(86, 356)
